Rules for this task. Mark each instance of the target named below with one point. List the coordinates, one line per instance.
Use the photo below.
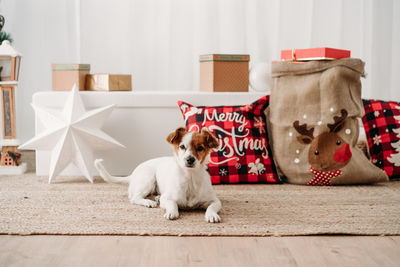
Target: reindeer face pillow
(313, 123)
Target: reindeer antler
(339, 121)
(302, 129)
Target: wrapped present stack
(66, 75)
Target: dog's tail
(106, 176)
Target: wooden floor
(199, 251)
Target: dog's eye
(182, 147)
(200, 148)
(338, 142)
(316, 152)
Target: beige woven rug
(28, 205)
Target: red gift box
(321, 53)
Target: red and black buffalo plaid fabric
(244, 155)
(382, 127)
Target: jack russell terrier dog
(180, 181)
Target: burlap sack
(313, 122)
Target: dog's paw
(144, 202)
(150, 203)
(212, 217)
(171, 215)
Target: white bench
(141, 121)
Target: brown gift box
(224, 73)
(108, 82)
(66, 75)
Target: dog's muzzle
(190, 162)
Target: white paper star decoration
(72, 135)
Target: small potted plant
(4, 35)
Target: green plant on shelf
(4, 35)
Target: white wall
(159, 41)
(44, 32)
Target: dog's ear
(176, 137)
(211, 140)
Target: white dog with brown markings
(180, 181)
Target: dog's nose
(190, 160)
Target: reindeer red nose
(343, 153)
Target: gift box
(66, 75)
(224, 73)
(321, 53)
(108, 82)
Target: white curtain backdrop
(159, 41)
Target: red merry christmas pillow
(382, 127)
(244, 155)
